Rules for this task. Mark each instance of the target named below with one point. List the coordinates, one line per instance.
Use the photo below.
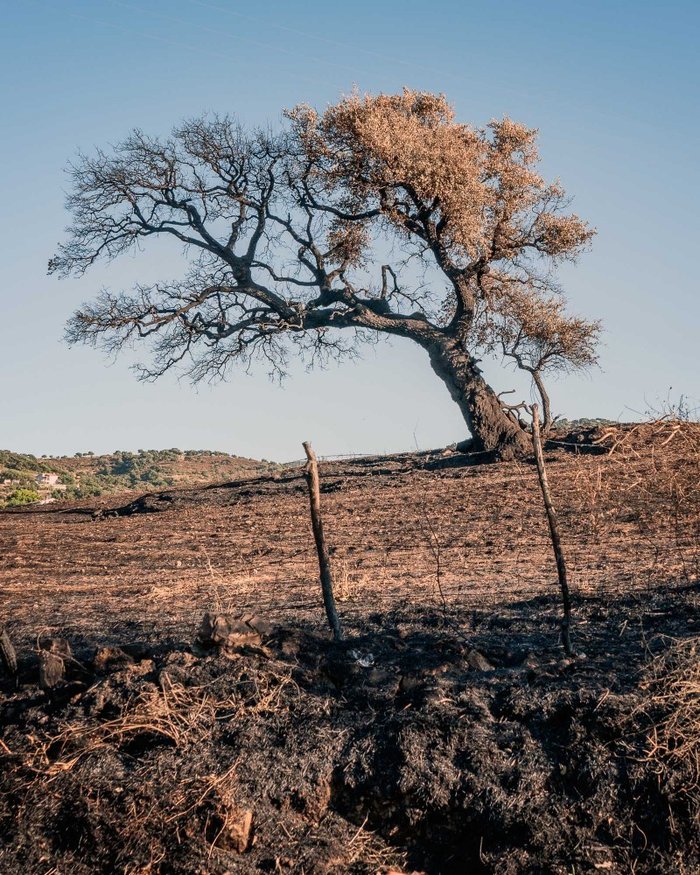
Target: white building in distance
(47, 481)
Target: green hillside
(86, 474)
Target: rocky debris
(229, 636)
(53, 655)
(103, 513)
(109, 659)
(478, 661)
(51, 670)
(409, 683)
(233, 825)
(365, 660)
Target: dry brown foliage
(673, 704)
(481, 185)
(647, 477)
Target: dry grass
(630, 521)
(673, 705)
(182, 716)
(647, 480)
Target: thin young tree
(539, 336)
(382, 215)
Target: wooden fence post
(553, 530)
(324, 563)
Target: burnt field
(448, 733)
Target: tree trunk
(546, 407)
(490, 426)
(554, 532)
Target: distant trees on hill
(21, 496)
(86, 474)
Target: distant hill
(86, 474)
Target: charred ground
(447, 734)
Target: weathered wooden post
(324, 562)
(54, 653)
(8, 657)
(553, 530)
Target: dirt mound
(631, 438)
(412, 745)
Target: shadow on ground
(434, 740)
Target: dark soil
(387, 749)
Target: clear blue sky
(612, 86)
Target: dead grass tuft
(177, 715)
(673, 688)
(646, 483)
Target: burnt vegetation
(447, 732)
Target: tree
(538, 335)
(382, 215)
(22, 496)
